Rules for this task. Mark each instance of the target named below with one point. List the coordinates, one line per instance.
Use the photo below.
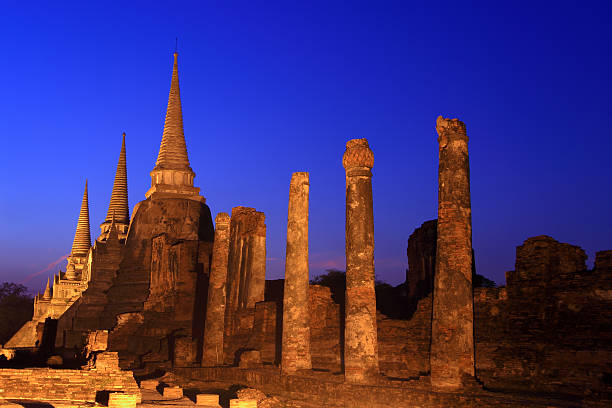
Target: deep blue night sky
(272, 88)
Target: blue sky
(269, 88)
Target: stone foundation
(63, 385)
(324, 390)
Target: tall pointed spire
(113, 234)
(172, 176)
(47, 294)
(119, 200)
(119, 197)
(173, 150)
(82, 237)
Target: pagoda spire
(119, 197)
(47, 294)
(118, 206)
(173, 150)
(172, 175)
(113, 234)
(82, 236)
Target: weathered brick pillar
(215, 309)
(257, 262)
(452, 329)
(296, 328)
(233, 268)
(360, 338)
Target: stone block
(239, 403)
(121, 400)
(210, 400)
(173, 392)
(250, 394)
(149, 384)
(107, 361)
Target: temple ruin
(167, 301)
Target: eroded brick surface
(360, 336)
(296, 329)
(452, 340)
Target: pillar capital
(357, 156)
(361, 338)
(450, 129)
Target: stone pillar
(360, 338)
(452, 328)
(257, 262)
(215, 309)
(296, 327)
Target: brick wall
(63, 385)
(549, 330)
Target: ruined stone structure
(144, 281)
(155, 306)
(452, 340)
(67, 286)
(84, 314)
(360, 338)
(421, 253)
(215, 309)
(525, 333)
(246, 271)
(165, 290)
(296, 329)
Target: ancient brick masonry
(360, 344)
(70, 385)
(246, 265)
(421, 253)
(603, 261)
(452, 340)
(296, 331)
(215, 310)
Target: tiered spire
(172, 176)
(173, 150)
(119, 197)
(47, 294)
(82, 237)
(113, 234)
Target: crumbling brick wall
(63, 385)
(549, 329)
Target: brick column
(360, 339)
(452, 329)
(257, 263)
(215, 309)
(296, 324)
